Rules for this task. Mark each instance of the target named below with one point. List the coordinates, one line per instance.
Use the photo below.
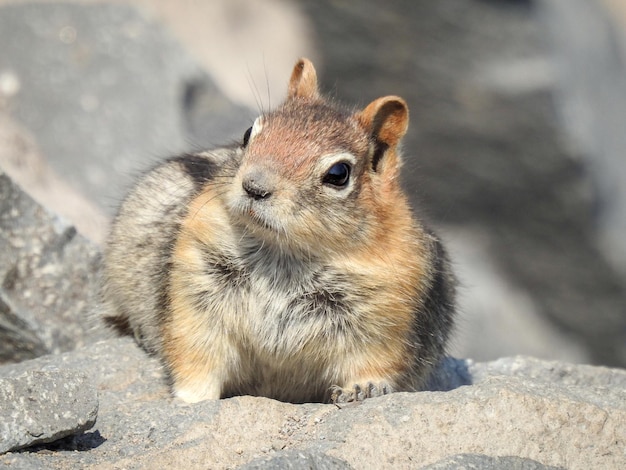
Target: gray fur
(137, 257)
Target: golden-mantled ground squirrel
(287, 266)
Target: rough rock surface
(41, 406)
(484, 462)
(48, 279)
(317, 461)
(293, 459)
(553, 413)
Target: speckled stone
(48, 279)
(44, 406)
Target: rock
(121, 95)
(48, 279)
(493, 307)
(485, 462)
(547, 412)
(293, 459)
(22, 161)
(562, 373)
(497, 417)
(591, 101)
(310, 460)
(39, 407)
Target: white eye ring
(327, 161)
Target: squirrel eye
(246, 137)
(338, 175)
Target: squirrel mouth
(259, 217)
(256, 219)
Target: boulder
(484, 462)
(48, 280)
(293, 459)
(42, 406)
(518, 411)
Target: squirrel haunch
(289, 266)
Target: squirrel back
(289, 266)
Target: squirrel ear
(387, 119)
(303, 81)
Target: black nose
(256, 186)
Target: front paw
(359, 392)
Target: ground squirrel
(287, 266)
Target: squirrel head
(316, 176)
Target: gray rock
(565, 374)
(519, 407)
(486, 462)
(591, 101)
(39, 407)
(22, 161)
(48, 278)
(293, 459)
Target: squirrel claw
(358, 392)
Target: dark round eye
(246, 137)
(338, 175)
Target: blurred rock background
(515, 153)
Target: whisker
(208, 201)
(254, 89)
(267, 84)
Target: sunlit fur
(247, 274)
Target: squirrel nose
(256, 185)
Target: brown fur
(250, 270)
